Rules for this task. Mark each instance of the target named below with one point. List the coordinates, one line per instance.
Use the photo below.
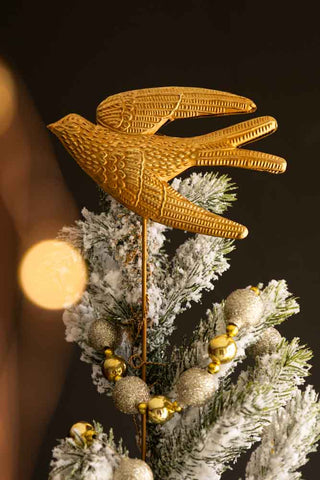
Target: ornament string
(144, 328)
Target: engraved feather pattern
(133, 165)
(146, 110)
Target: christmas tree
(202, 414)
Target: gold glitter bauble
(103, 334)
(83, 433)
(195, 387)
(114, 367)
(128, 393)
(267, 343)
(243, 308)
(160, 409)
(133, 469)
(222, 349)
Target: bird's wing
(145, 111)
(161, 203)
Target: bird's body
(135, 166)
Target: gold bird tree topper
(125, 157)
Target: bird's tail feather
(220, 148)
(178, 212)
(242, 158)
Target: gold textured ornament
(267, 343)
(102, 334)
(133, 469)
(128, 393)
(83, 433)
(222, 349)
(195, 387)
(243, 307)
(159, 409)
(125, 157)
(114, 367)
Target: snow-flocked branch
(288, 440)
(82, 462)
(208, 439)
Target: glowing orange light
(53, 274)
(7, 98)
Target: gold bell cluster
(159, 409)
(222, 348)
(114, 367)
(83, 433)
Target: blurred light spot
(53, 274)
(7, 98)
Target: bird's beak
(52, 127)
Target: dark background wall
(72, 55)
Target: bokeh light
(8, 98)
(53, 274)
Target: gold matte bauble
(133, 469)
(243, 307)
(195, 387)
(103, 334)
(128, 393)
(267, 343)
(222, 349)
(83, 433)
(114, 367)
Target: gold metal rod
(144, 329)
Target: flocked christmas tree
(199, 421)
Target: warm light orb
(53, 274)
(7, 98)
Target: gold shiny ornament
(114, 367)
(214, 367)
(243, 308)
(232, 330)
(83, 433)
(222, 349)
(128, 393)
(159, 409)
(195, 387)
(267, 343)
(255, 290)
(102, 334)
(133, 469)
(125, 158)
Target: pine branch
(208, 439)
(81, 462)
(288, 440)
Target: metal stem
(144, 329)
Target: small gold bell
(232, 330)
(222, 349)
(159, 408)
(114, 367)
(83, 433)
